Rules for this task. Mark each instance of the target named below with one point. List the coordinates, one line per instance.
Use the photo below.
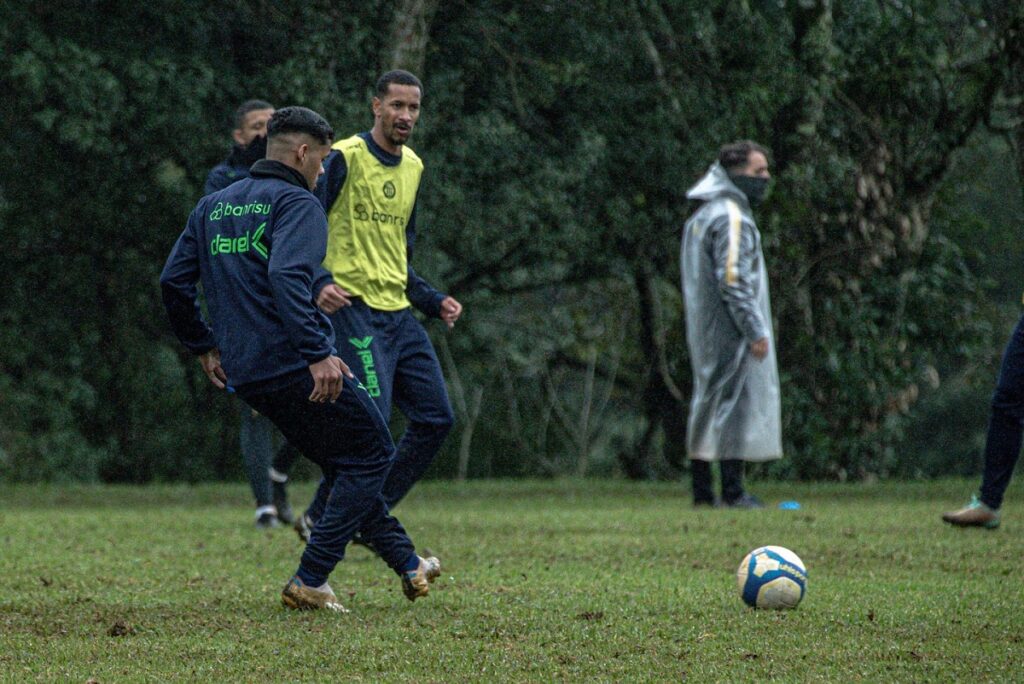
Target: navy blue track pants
(1006, 423)
(391, 354)
(351, 443)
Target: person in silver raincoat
(735, 413)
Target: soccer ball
(772, 577)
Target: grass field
(542, 581)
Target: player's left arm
(181, 296)
(181, 300)
(425, 297)
(299, 244)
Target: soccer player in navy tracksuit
(369, 191)
(256, 246)
(256, 433)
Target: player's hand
(210, 361)
(450, 311)
(759, 348)
(327, 379)
(332, 297)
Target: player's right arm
(180, 295)
(181, 300)
(327, 379)
(734, 249)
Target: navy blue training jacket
(224, 174)
(255, 246)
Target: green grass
(542, 581)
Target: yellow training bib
(366, 245)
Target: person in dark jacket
(256, 246)
(250, 136)
(267, 472)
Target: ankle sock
(312, 580)
(265, 509)
(411, 564)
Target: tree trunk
(410, 32)
(664, 404)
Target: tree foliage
(559, 140)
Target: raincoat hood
(716, 184)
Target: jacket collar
(382, 155)
(269, 168)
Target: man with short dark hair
(369, 190)
(250, 136)
(735, 413)
(256, 246)
(256, 434)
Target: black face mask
(752, 186)
(253, 152)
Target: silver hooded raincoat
(735, 412)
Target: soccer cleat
(298, 596)
(303, 527)
(746, 500)
(974, 514)
(416, 583)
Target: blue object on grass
(790, 505)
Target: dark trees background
(559, 139)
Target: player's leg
(280, 468)
(700, 478)
(731, 471)
(363, 337)
(351, 442)
(1003, 441)
(421, 396)
(255, 438)
(733, 494)
(1002, 445)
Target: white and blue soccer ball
(772, 577)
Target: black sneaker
(266, 521)
(280, 496)
(745, 501)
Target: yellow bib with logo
(366, 246)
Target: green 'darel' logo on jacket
(241, 244)
(369, 369)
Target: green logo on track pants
(366, 356)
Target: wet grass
(542, 581)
